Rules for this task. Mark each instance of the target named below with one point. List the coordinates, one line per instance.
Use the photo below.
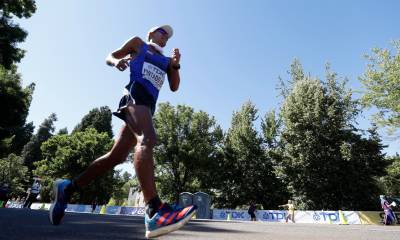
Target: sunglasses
(162, 31)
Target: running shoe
(57, 208)
(167, 219)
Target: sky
(232, 51)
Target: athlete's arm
(118, 57)
(173, 70)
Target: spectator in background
(28, 193)
(390, 217)
(252, 210)
(4, 190)
(18, 203)
(32, 194)
(94, 205)
(290, 214)
(22, 202)
(10, 203)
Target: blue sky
(232, 51)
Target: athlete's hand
(176, 57)
(123, 64)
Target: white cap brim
(167, 28)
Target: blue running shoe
(57, 208)
(167, 219)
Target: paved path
(21, 224)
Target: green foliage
(62, 131)
(21, 136)
(187, 148)
(31, 152)
(381, 81)
(363, 165)
(99, 119)
(11, 33)
(120, 195)
(245, 173)
(66, 156)
(126, 176)
(21, 8)
(326, 164)
(270, 126)
(112, 202)
(391, 181)
(14, 106)
(297, 73)
(14, 173)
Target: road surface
(21, 224)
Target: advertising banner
(36, 206)
(372, 217)
(321, 217)
(112, 210)
(327, 217)
(271, 215)
(134, 211)
(229, 214)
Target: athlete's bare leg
(115, 156)
(139, 120)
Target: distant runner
(290, 214)
(390, 217)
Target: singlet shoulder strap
(141, 54)
(143, 49)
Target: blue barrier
(78, 208)
(273, 216)
(127, 210)
(97, 209)
(133, 211)
(136, 211)
(320, 217)
(83, 209)
(112, 210)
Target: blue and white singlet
(149, 70)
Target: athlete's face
(160, 37)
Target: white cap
(167, 28)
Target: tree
(31, 152)
(62, 131)
(271, 126)
(391, 182)
(246, 173)
(381, 81)
(66, 156)
(14, 173)
(364, 161)
(186, 150)
(326, 164)
(127, 182)
(14, 105)
(21, 136)
(11, 33)
(99, 119)
(118, 193)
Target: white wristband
(112, 61)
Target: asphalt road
(20, 224)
